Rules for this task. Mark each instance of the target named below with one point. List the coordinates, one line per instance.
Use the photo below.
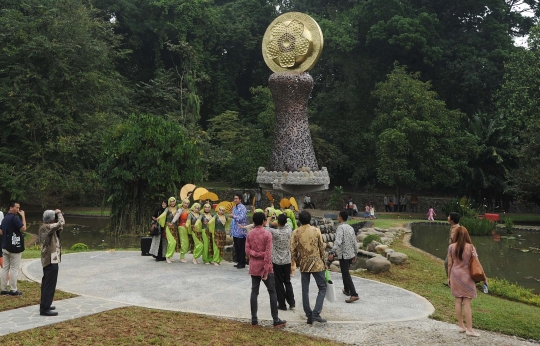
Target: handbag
(155, 230)
(475, 268)
(330, 289)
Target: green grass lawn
(425, 276)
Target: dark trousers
(350, 211)
(387, 207)
(284, 290)
(271, 287)
(321, 285)
(344, 265)
(48, 286)
(240, 251)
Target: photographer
(12, 229)
(51, 252)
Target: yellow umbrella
(198, 193)
(227, 205)
(284, 203)
(210, 196)
(185, 190)
(294, 204)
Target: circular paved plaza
(129, 278)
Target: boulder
(360, 237)
(228, 240)
(228, 248)
(385, 240)
(371, 246)
(397, 257)
(330, 245)
(324, 237)
(381, 248)
(336, 263)
(334, 268)
(378, 264)
(388, 251)
(393, 229)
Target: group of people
(12, 230)
(400, 205)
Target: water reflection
(87, 230)
(501, 259)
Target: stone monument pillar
(292, 45)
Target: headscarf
(186, 200)
(277, 212)
(270, 211)
(259, 211)
(196, 205)
(207, 205)
(172, 209)
(290, 215)
(221, 208)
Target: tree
(526, 180)
(58, 92)
(143, 159)
(417, 138)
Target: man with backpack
(12, 230)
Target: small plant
(336, 200)
(512, 291)
(370, 238)
(477, 226)
(34, 247)
(79, 247)
(509, 224)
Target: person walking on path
(431, 214)
(12, 230)
(259, 248)
(453, 220)
(350, 207)
(51, 252)
(281, 262)
(463, 287)
(345, 248)
(403, 203)
(307, 252)
(239, 218)
(386, 203)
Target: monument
(291, 47)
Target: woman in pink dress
(459, 278)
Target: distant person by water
(431, 214)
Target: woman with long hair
(194, 223)
(166, 220)
(459, 278)
(158, 248)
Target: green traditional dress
(194, 223)
(218, 226)
(207, 238)
(165, 219)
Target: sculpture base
(300, 182)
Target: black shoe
(15, 293)
(4, 293)
(319, 319)
(291, 307)
(309, 321)
(240, 267)
(284, 308)
(52, 307)
(254, 323)
(48, 313)
(279, 324)
(236, 265)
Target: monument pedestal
(293, 167)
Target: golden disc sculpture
(292, 42)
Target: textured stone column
(292, 148)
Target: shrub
(509, 224)
(79, 247)
(454, 206)
(508, 290)
(477, 226)
(370, 238)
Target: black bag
(155, 230)
(15, 241)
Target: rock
(378, 264)
(381, 248)
(397, 257)
(371, 246)
(388, 251)
(228, 240)
(393, 229)
(360, 237)
(334, 268)
(324, 237)
(228, 249)
(330, 245)
(336, 263)
(367, 253)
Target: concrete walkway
(126, 277)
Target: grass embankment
(140, 326)
(425, 276)
(31, 296)
(87, 211)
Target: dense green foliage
(416, 95)
(477, 226)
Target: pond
(87, 230)
(504, 259)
